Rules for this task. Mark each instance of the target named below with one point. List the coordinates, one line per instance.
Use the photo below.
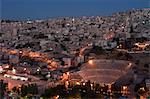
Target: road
(37, 56)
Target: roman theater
(104, 71)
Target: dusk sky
(41, 9)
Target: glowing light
(91, 85)
(68, 73)
(7, 66)
(25, 69)
(90, 62)
(39, 69)
(83, 84)
(65, 76)
(136, 44)
(56, 97)
(37, 55)
(77, 83)
(13, 52)
(129, 65)
(73, 19)
(33, 54)
(120, 45)
(124, 87)
(142, 88)
(20, 52)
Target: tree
(63, 47)
(32, 89)
(146, 66)
(23, 90)
(49, 93)
(29, 89)
(97, 50)
(1, 89)
(97, 87)
(14, 89)
(88, 85)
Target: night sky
(42, 9)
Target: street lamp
(25, 69)
(77, 83)
(125, 88)
(129, 65)
(83, 83)
(92, 86)
(90, 62)
(142, 89)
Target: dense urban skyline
(74, 49)
(43, 9)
